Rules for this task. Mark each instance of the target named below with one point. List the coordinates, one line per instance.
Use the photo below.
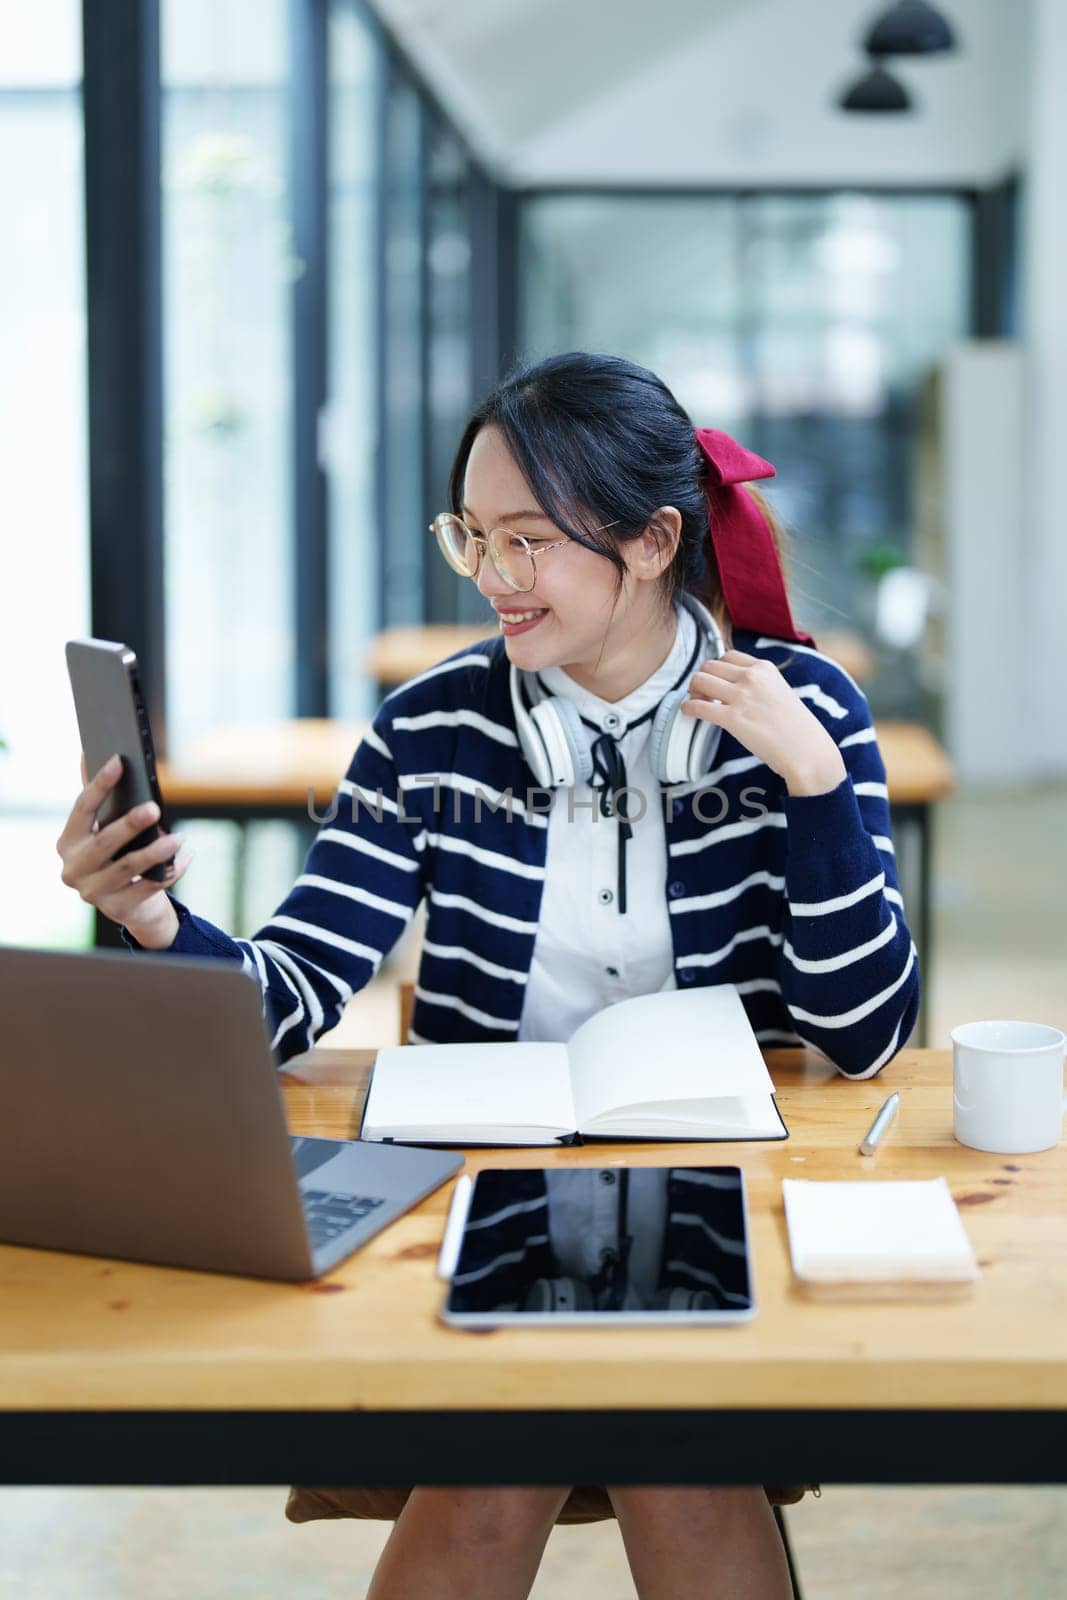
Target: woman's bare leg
(466, 1544)
(702, 1544)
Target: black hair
(600, 439)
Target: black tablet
(598, 1245)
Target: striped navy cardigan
(794, 899)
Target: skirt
(585, 1503)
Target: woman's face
(577, 619)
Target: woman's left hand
(761, 711)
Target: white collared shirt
(588, 954)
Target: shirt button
(678, 806)
(611, 721)
(612, 972)
(607, 1177)
(687, 975)
(605, 896)
(675, 888)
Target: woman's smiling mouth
(513, 621)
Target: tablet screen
(630, 1243)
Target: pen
(457, 1220)
(881, 1122)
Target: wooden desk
(117, 1372)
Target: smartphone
(112, 717)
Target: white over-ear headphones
(680, 747)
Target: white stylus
(881, 1122)
(454, 1226)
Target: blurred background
(262, 256)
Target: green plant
(880, 558)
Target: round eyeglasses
(513, 554)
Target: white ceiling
(714, 91)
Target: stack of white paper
(847, 1236)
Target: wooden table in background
(918, 774)
(262, 766)
(397, 654)
(119, 1372)
(257, 772)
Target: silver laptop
(141, 1117)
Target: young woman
(648, 779)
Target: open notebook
(678, 1064)
(877, 1239)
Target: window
(804, 324)
(44, 596)
(227, 271)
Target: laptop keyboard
(329, 1214)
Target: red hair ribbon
(753, 584)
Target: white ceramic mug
(1007, 1086)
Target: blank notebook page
(876, 1232)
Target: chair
(405, 997)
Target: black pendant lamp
(910, 28)
(877, 90)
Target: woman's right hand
(116, 887)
